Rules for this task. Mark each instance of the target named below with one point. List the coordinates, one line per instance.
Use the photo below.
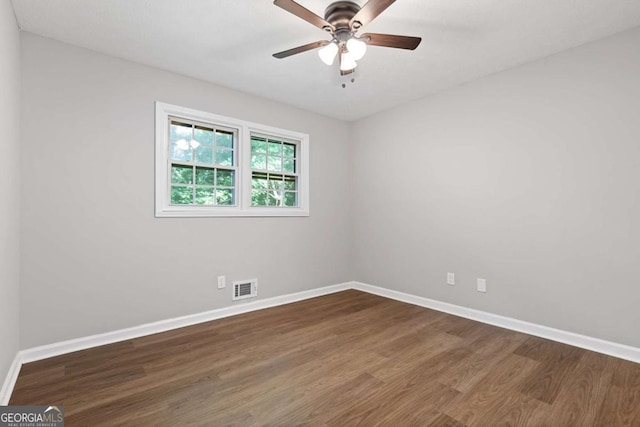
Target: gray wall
(529, 178)
(9, 186)
(94, 257)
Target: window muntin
(274, 178)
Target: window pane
(276, 184)
(204, 196)
(288, 165)
(224, 178)
(258, 145)
(290, 198)
(289, 150)
(181, 174)
(258, 198)
(275, 164)
(258, 161)
(259, 181)
(180, 150)
(290, 183)
(224, 139)
(224, 157)
(275, 148)
(204, 154)
(204, 176)
(181, 195)
(203, 135)
(180, 131)
(272, 200)
(224, 197)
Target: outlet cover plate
(451, 279)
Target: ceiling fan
(343, 19)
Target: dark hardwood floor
(345, 359)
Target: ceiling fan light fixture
(328, 53)
(357, 48)
(347, 63)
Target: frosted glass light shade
(357, 48)
(347, 62)
(328, 53)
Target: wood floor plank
(476, 406)
(488, 349)
(344, 359)
(400, 402)
(557, 362)
(578, 403)
(313, 408)
(443, 420)
(621, 406)
(310, 378)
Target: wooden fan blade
(303, 13)
(389, 40)
(369, 12)
(301, 49)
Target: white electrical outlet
(221, 282)
(482, 285)
(451, 279)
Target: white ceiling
(230, 42)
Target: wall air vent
(245, 289)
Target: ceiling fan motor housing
(339, 14)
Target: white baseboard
(10, 380)
(56, 349)
(621, 351)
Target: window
(210, 165)
(274, 181)
(202, 162)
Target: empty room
(321, 213)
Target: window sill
(178, 212)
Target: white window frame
(243, 207)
